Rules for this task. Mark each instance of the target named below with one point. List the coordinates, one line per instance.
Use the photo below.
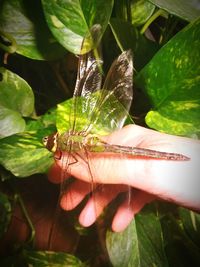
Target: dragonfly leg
(58, 155)
(75, 160)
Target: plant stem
(116, 38)
(159, 12)
(24, 210)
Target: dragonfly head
(50, 142)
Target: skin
(142, 179)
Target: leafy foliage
(172, 89)
(164, 38)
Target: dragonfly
(116, 91)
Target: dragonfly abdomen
(143, 152)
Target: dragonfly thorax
(75, 141)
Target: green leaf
(16, 100)
(11, 122)
(23, 27)
(187, 10)
(15, 93)
(5, 213)
(24, 154)
(48, 258)
(171, 80)
(71, 21)
(140, 245)
(180, 249)
(141, 11)
(191, 224)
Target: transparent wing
(113, 102)
(119, 80)
(88, 81)
(92, 108)
(89, 77)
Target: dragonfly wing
(89, 77)
(88, 81)
(114, 100)
(91, 109)
(119, 80)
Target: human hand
(149, 178)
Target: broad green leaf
(171, 80)
(11, 122)
(141, 11)
(48, 258)
(180, 249)
(71, 21)
(128, 37)
(111, 115)
(16, 100)
(5, 213)
(24, 154)
(15, 93)
(187, 10)
(140, 245)
(22, 24)
(191, 224)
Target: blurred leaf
(11, 122)
(23, 28)
(191, 224)
(128, 37)
(71, 21)
(24, 154)
(16, 100)
(141, 244)
(187, 10)
(15, 93)
(180, 250)
(173, 89)
(141, 11)
(122, 9)
(5, 213)
(48, 258)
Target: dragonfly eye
(45, 141)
